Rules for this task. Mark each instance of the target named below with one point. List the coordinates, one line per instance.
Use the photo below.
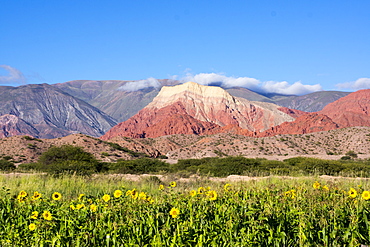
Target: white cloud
(282, 87)
(361, 83)
(137, 85)
(14, 76)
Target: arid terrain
(331, 144)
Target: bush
(6, 165)
(68, 159)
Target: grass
(272, 211)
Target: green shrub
(6, 165)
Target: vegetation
(102, 211)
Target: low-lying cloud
(138, 85)
(361, 83)
(282, 87)
(14, 76)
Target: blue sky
(280, 46)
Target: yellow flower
(56, 196)
(36, 195)
(149, 199)
(80, 196)
(175, 212)
(212, 195)
(142, 196)
(201, 190)
(72, 207)
(316, 185)
(173, 184)
(34, 215)
(79, 206)
(129, 192)
(193, 193)
(106, 197)
(47, 215)
(161, 187)
(134, 194)
(32, 227)
(227, 187)
(325, 187)
(117, 193)
(22, 193)
(365, 195)
(352, 193)
(93, 207)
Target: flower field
(75, 211)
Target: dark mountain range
(48, 112)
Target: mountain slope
(109, 97)
(52, 112)
(201, 108)
(351, 110)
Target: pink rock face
(351, 110)
(11, 125)
(307, 123)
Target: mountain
(11, 125)
(312, 102)
(351, 110)
(114, 99)
(191, 108)
(47, 112)
(111, 96)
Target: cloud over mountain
(361, 83)
(281, 87)
(137, 85)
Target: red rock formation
(307, 123)
(191, 108)
(351, 110)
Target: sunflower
(201, 190)
(22, 193)
(56, 196)
(47, 215)
(93, 208)
(316, 185)
(325, 187)
(134, 194)
(36, 195)
(352, 193)
(212, 195)
(34, 215)
(117, 193)
(365, 195)
(129, 192)
(80, 196)
(173, 184)
(193, 193)
(175, 212)
(79, 206)
(106, 197)
(227, 187)
(72, 207)
(32, 227)
(161, 187)
(142, 196)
